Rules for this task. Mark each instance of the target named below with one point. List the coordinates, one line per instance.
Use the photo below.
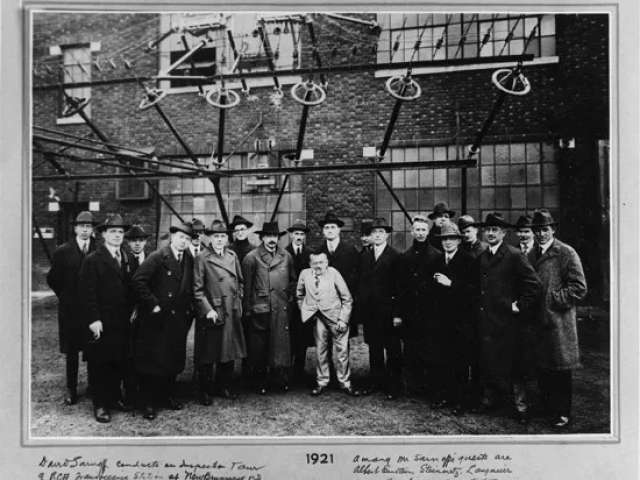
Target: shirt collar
(218, 252)
(546, 246)
(175, 252)
(112, 250)
(494, 248)
(380, 248)
(81, 243)
(529, 245)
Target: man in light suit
(323, 297)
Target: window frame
(85, 75)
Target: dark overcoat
(161, 341)
(450, 331)
(563, 284)
(474, 249)
(218, 285)
(63, 280)
(505, 277)
(241, 248)
(377, 292)
(347, 260)
(270, 283)
(414, 296)
(300, 333)
(105, 295)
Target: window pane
(550, 172)
(425, 199)
(548, 152)
(548, 25)
(383, 200)
(533, 152)
(473, 177)
(486, 155)
(440, 195)
(518, 174)
(397, 155)
(519, 197)
(488, 198)
(503, 199)
(397, 179)
(517, 153)
(396, 20)
(426, 154)
(440, 177)
(455, 177)
(488, 176)
(533, 174)
(440, 153)
(426, 178)
(548, 46)
(411, 199)
(411, 155)
(551, 196)
(411, 178)
(502, 153)
(534, 198)
(473, 198)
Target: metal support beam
(473, 149)
(393, 194)
(394, 116)
(42, 241)
(175, 133)
(280, 194)
(267, 50)
(246, 137)
(223, 101)
(315, 53)
(218, 192)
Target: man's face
(319, 263)
(440, 219)
(420, 230)
(195, 241)
(137, 245)
(470, 234)
(297, 237)
(203, 239)
(494, 235)
(366, 240)
(270, 241)
(331, 231)
(113, 236)
(525, 235)
(240, 232)
(83, 230)
(180, 241)
(545, 234)
(218, 240)
(379, 236)
(450, 244)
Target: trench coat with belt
(218, 285)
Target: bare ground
(297, 413)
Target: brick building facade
(545, 149)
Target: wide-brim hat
(113, 222)
(441, 208)
(270, 228)
(85, 217)
(381, 223)
(185, 228)
(495, 219)
(136, 231)
(197, 225)
(449, 230)
(299, 226)
(238, 220)
(331, 217)
(543, 218)
(466, 221)
(216, 227)
(365, 227)
(524, 222)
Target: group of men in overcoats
(465, 319)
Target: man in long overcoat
(381, 333)
(63, 280)
(563, 284)
(218, 289)
(301, 332)
(270, 284)
(106, 307)
(508, 286)
(413, 305)
(164, 289)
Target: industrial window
(216, 56)
(131, 188)
(463, 36)
(76, 68)
(510, 178)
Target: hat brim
(298, 229)
(338, 222)
(496, 224)
(451, 214)
(133, 237)
(474, 224)
(75, 222)
(546, 224)
(178, 229)
(102, 228)
(450, 235)
(262, 232)
(206, 231)
(247, 224)
(387, 229)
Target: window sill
(390, 72)
(74, 120)
(252, 83)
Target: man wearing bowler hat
(164, 288)
(508, 286)
(270, 284)
(63, 280)
(107, 303)
(440, 215)
(563, 284)
(470, 241)
(301, 333)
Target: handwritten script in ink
(81, 468)
(481, 466)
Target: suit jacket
(377, 293)
(160, 344)
(300, 262)
(105, 295)
(505, 277)
(475, 249)
(63, 278)
(241, 248)
(331, 297)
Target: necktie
(84, 248)
(376, 253)
(138, 259)
(525, 249)
(117, 257)
(447, 259)
(180, 261)
(317, 281)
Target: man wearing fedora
(470, 241)
(198, 242)
(218, 290)
(107, 303)
(301, 332)
(365, 236)
(269, 289)
(413, 305)
(381, 331)
(440, 215)
(164, 288)
(63, 279)
(526, 239)
(136, 241)
(449, 332)
(563, 284)
(508, 286)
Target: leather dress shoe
(226, 393)
(172, 404)
(561, 423)
(71, 397)
(352, 392)
(149, 413)
(316, 392)
(102, 415)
